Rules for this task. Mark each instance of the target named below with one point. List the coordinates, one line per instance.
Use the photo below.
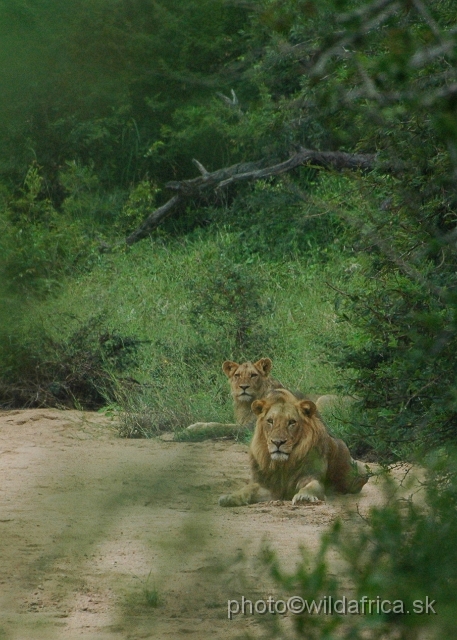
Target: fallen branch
(244, 171)
(153, 220)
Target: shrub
(83, 370)
(401, 301)
(403, 552)
(228, 312)
(40, 245)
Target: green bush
(403, 552)
(229, 305)
(86, 369)
(39, 245)
(401, 302)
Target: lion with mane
(293, 457)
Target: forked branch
(242, 172)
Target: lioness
(248, 381)
(293, 457)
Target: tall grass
(149, 292)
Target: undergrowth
(85, 368)
(148, 328)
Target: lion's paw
(305, 497)
(229, 500)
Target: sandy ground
(106, 538)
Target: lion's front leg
(357, 477)
(311, 491)
(219, 426)
(199, 426)
(249, 494)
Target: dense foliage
(400, 561)
(347, 279)
(104, 102)
(96, 82)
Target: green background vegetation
(347, 280)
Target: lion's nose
(278, 443)
(244, 386)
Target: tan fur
(293, 457)
(329, 402)
(248, 381)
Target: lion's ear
(229, 368)
(257, 406)
(308, 408)
(264, 365)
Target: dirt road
(107, 538)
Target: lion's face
(283, 422)
(248, 380)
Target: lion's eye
(254, 375)
(237, 375)
(270, 421)
(292, 423)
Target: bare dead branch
(364, 11)
(153, 220)
(200, 167)
(429, 54)
(231, 102)
(245, 171)
(328, 159)
(422, 9)
(339, 48)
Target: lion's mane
(314, 453)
